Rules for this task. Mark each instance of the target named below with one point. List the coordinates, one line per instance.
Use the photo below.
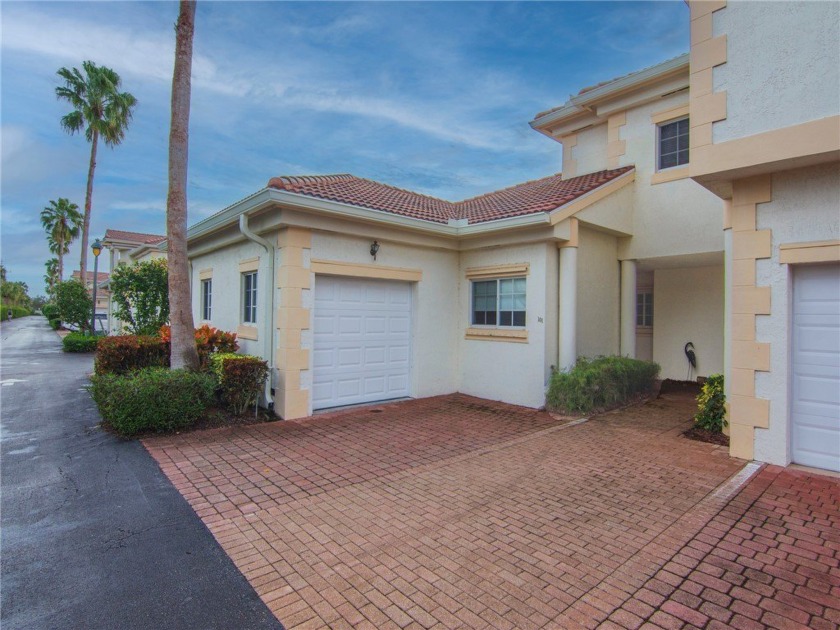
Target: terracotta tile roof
(133, 237)
(368, 194)
(541, 195)
(101, 276)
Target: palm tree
(62, 221)
(102, 111)
(183, 353)
(51, 278)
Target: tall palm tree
(102, 111)
(51, 277)
(62, 221)
(183, 353)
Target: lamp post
(97, 249)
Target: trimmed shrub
(140, 295)
(154, 399)
(122, 354)
(79, 342)
(208, 341)
(241, 379)
(599, 383)
(16, 311)
(74, 304)
(711, 414)
(55, 324)
(50, 311)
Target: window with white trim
(672, 144)
(499, 302)
(249, 297)
(206, 298)
(644, 309)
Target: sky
(434, 97)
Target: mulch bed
(702, 435)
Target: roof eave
(581, 103)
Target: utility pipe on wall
(269, 302)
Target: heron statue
(692, 359)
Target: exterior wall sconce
(374, 248)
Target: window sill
(246, 332)
(669, 175)
(497, 334)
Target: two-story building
(765, 138)
(356, 291)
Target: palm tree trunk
(88, 200)
(60, 259)
(182, 349)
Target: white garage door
(362, 341)
(815, 408)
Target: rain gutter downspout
(269, 303)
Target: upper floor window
(206, 299)
(498, 302)
(249, 297)
(672, 144)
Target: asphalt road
(93, 535)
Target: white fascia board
(453, 230)
(583, 102)
(267, 196)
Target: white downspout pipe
(269, 302)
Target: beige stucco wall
(688, 306)
(226, 312)
(503, 370)
(804, 208)
(670, 218)
(598, 294)
(590, 152)
(436, 329)
(794, 79)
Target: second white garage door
(815, 359)
(361, 341)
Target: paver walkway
(452, 511)
(769, 559)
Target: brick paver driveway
(457, 512)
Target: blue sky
(431, 96)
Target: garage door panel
(364, 357)
(815, 357)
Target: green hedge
(599, 383)
(154, 399)
(241, 379)
(122, 354)
(17, 311)
(55, 324)
(711, 414)
(50, 311)
(79, 342)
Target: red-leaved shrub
(126, 353)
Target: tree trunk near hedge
(183, 348)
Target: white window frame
(206, 299)
(659, 127)
(498, 324)
(248, 308)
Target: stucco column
(568, 308)
(628, 309)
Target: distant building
(126, 248)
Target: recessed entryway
(362, 341)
